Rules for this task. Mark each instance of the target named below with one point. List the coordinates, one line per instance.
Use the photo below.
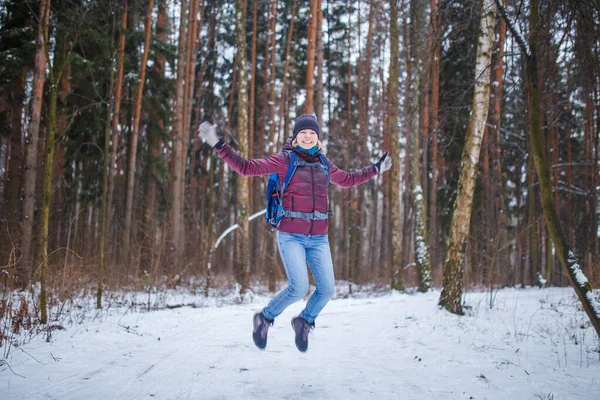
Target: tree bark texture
(133, 141)
(178, 127)
(397, 279)
(31, 146)
(570, 264)
(310, 57)
(435, 90)
(42, 258)
(450, 298)
(116, 114)
(420, 235)
(242, 234)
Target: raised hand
(384, 163)
(208, 132)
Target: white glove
(384, 163)
(208, 133)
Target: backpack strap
(325, 166)
(280, 213)
(315, 215)
(290, 171)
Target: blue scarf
(312, 151)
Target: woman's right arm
(262, 166)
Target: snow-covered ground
(533, 344)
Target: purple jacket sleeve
(263, 166)
(346, 179)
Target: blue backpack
(275, 190)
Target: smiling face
(307, 138)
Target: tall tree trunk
(47, 195)
(397, 279)
(59, 216)
(151, 210)
(13, 172)
(450, 298)
(135, 129)
(421, 246)
(533, 267)
(385, 255)
(116, 115)
(435, 90)
(364, 200)
(178, 129)
(282, 100)
(198, 96)
(420, 235)
(498, 208)
(349, 204)
(310, 57)
(319, 84)
(190, 75)
(271, 80)
(263, 121)
(256, 145)
(242, 236)
(407, 200)
(104, 202)
(568, 260)
(251, 109)
(31, 146)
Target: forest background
(106, 185)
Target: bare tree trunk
(135, 128)
(188, 93)
(42, 258)
(450, 298)
(385, 255)
(242, 235)
(319, 84)
(115, 117)
(208, 244)
(568, 260)
(13, 172)
(310, 57)
(397, 279)
(150, 220)
(421, 246)
(31, 146)
(104, 202)
(256, 145)
(282, 100)
(271, 80)
(532, 223)
(349, 205)
(364, 199)
(407, 200)
(178, 134)
(251, 110)
(435, 90)
(498, 208)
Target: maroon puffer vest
(306, 192)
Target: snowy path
(530, 346)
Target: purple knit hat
(306, 121)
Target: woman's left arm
(350, 179)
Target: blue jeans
(296, 250)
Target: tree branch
(518, 37)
